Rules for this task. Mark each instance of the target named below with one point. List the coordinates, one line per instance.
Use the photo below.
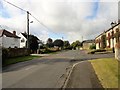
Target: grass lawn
(107, 71)
(19, 59)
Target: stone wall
(14, 52)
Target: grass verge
(107, 71)
(19, 59)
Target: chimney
(14, 32)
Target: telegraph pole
(28, 29)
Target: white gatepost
(117, 51)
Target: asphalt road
(45, 72)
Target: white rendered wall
(10, 42)
(22, 44)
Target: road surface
(45, 72)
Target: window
(22, 40)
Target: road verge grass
(18, 59)
(107, 71)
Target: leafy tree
(103, 41)
(66, 44)
(76, 44)
(33, 42)
(58, 42)
(49, 43)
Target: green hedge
(98, 50)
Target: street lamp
(113, 24)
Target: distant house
(8, 39)
(108, 38)
(87, 43)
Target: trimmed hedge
(98, 50)
(48, 50)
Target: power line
(27, 12)
(39, 21)
(15, 6)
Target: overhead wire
(15, 6)
(29, 13)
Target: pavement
(49, 71)
(83, 76)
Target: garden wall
(14, 52)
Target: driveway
(46, 72)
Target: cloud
(71, 19)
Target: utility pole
(27, 29)
(82, 38)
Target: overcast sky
(70, 19)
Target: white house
(110, 38)
(23, 40)
(8, 39)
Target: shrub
(93, 46)
(98, 50)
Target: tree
(76, 44)
(49, 43)
(103, 41)
(58, 42)
(33, 42)
(66, 44)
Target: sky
(65, 19)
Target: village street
(45, 72)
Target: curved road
(45, 72)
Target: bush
(68, 48)
(93, 46)
(98, 50)
(48, 50)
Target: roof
(7, 34)
(25, 35)
(107, 30)
(112, 27)
(89, 41)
